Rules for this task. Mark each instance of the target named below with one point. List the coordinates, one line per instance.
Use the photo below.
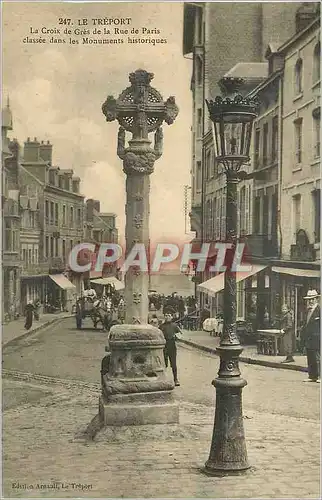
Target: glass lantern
(232, 116)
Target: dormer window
(298, 77)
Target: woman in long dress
(29, 311)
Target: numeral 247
(64, 21)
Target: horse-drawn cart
(84, 309)
(102, 310)
(99, 310)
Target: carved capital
(139, 163)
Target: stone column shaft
(137, 232)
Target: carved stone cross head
(140, 108)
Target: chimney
(305, 15)
(46, 152)
(31, 150)
(76, 182)
(91, 205)
(68, 174)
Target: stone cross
(140, 110)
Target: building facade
(34, 270)
(267, 37)
(43, 217)
(11, 265)
(60, 225)
(217, 43)
(298, 269)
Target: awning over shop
(293, 271)
(217, 283)
(110, 280)
(62, 281)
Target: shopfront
(251, 293)
(60, 293)
(292, 285)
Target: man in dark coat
(170, 331)
(311, 335)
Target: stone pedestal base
(135, 389)
(139, 409)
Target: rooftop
(249, 70)
(107, 214)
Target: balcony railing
(260, 245)
(306, 253)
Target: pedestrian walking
(287, 326)
(311, 335)
(29, 313)
(171, 332)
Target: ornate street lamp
(232, 116)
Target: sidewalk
(15, 328)
(203, 341)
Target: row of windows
(266, 141)
(68, 218)
(57, 247)
(30, 255)
(299, 69)
(215, 214)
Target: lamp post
(232, 117)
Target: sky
(57, 90)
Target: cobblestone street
(46, 452)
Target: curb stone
(34, 330)
(250, 361)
